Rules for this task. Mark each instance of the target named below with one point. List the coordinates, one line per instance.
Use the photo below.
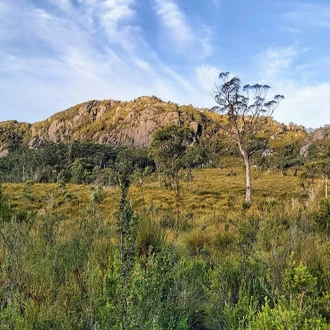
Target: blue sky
(57, 53)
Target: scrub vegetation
(106, 237)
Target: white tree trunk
(247, 173)
(248, 179)
(326, 186)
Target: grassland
(210, 200)
(217, 264)
(212, 190)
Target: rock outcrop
(113, 122)
(320, 134)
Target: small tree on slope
(247, 113)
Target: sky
(57, 53)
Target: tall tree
(247, 111)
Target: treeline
(313, 163)
(83, 162)
(76, 162)
(86, 162)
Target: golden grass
(213, 195)
(211, 209)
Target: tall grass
(221, 266)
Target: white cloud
(184, 83)
(276, 62)
(306, 100)
(79, 77)
(9, 28)
(41, 15)
(58, 34)
(207, 76)
(205, 42)
(63, 65)
(143, 65)
(117, 18)
(181, 36)
(72, 70)
(308, 14)
(175, 22)
(82, 64)
(308, 105)
(117, 12)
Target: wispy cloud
(279, 67)
(309, 14)
(207, 76)
(175, 22)
(205, 40)
(61, 52)
(306, 105)
(69, 61)
(9, 29)
(276, 62)
(117, 18)
(179, 33)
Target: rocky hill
(108, 121)
(119, 123)
(114, 122)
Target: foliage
(171, 148)
(13, 134)
(76, 162)
(295, 309)
(284, 158)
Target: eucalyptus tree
(170, 150)
(247, 112)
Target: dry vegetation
(213, 197)
(222, 263)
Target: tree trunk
(248, 179)
(247, 173)
(326, 186)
